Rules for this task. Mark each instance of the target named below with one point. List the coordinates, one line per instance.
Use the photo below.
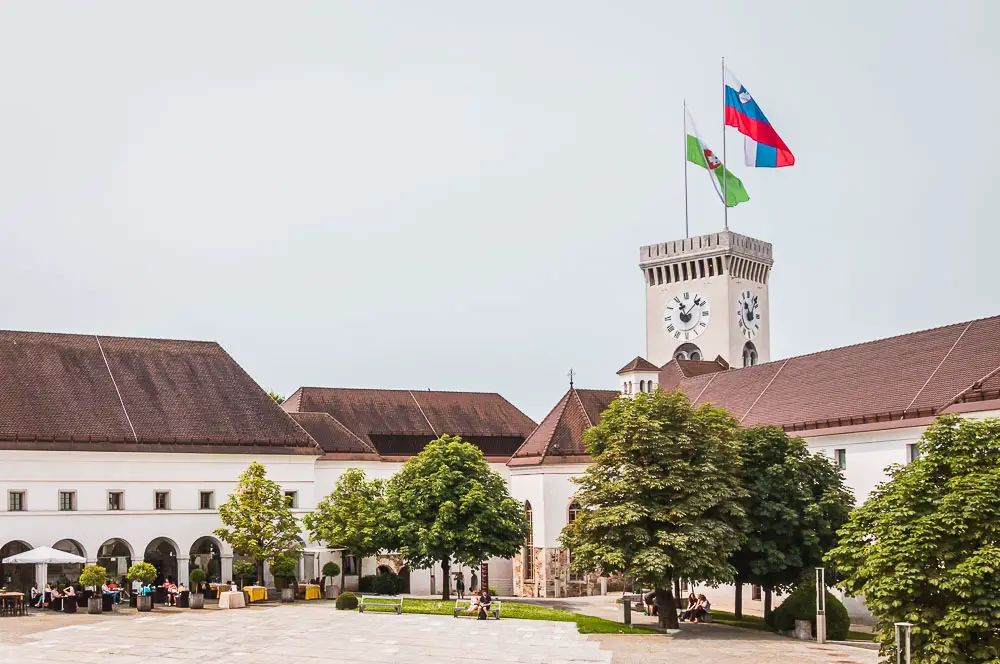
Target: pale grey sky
(451, 195)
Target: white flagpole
(687, 233)
(725, 188)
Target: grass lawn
(756, 622)
(511, 609)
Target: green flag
(700, 154)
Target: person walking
(460, 585)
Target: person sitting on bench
(473, 604)
(692, 604)
(484, 604)
(702, 609)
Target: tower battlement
(700, 246)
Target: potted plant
(197, 577)
(144, 573)
(243, 569)
(94, 576)
(283, 568)
(332, 570)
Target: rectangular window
(912, 453)
(15, 501)
(652, 281)
(116, 501)
(292, 498)
(684, 271)
(161, 500)
(351, 565)
(755, 593)
(206, 500)
(840, 456)
(67, 501)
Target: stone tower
(707, 296)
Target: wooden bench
(394, 602)
(461, 605)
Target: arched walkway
(115, 555)
(206, 554)
(16, 577)
(161, 553)
(66, 573)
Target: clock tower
(707, 296)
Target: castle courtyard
(316, 633)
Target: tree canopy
(795, 503)
(925, 546)
(446, 504)
(662, 499)
(354, 516)
(257, 518)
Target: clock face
(686, 316)
(748, 314)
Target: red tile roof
(58, 391)
(337, 441)
(909, 376)
(638, 364)
(400, 422)
(559, 437)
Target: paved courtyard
(316, 633)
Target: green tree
(243, 569)
(662, 498)
(353, 517)
(795, 503)
(277, 398)
(257, 519)
(925, 546)
(446, 505)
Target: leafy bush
(243, 569)
(385, 583)
(93, 575)
(801, 605)
(331, 569)
(196, 577)
(493, 591)
(142, 572)
(347, 602)
(284, 568)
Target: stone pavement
(298, 634)
(315, 633)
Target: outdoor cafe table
(256, 593)
(10, 603)
(312, 591)
(231, 600)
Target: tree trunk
(677, 589)
(446, 591)
(767, 605)
(666, 608)
(260, 572)
(738, 612)
(342, 589)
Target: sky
(451, 194)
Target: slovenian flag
(763, 147)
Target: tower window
(642, 386)
(687, 352)
(718, 264)
(652, 279)
(749, 354)
(711, 267)
(684, 271)
(659, 275)
(677, 272)
(701, 267)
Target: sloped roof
(638, 364)
(909, 376)
(70, 391)
(336, 440)
(400, 421)
(559, 437)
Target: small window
(642, 386)
(162, 500)
(652, 280)
(573, 512)
(206, 500)
(755, 593)
(350, 565)
(292, 498)
(659, 275)
(67, 501)
(15, 501)
(840, 456)
(528, 557)
(749, 354)
(912, 453)
(116, 501)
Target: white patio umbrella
(43, 554)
